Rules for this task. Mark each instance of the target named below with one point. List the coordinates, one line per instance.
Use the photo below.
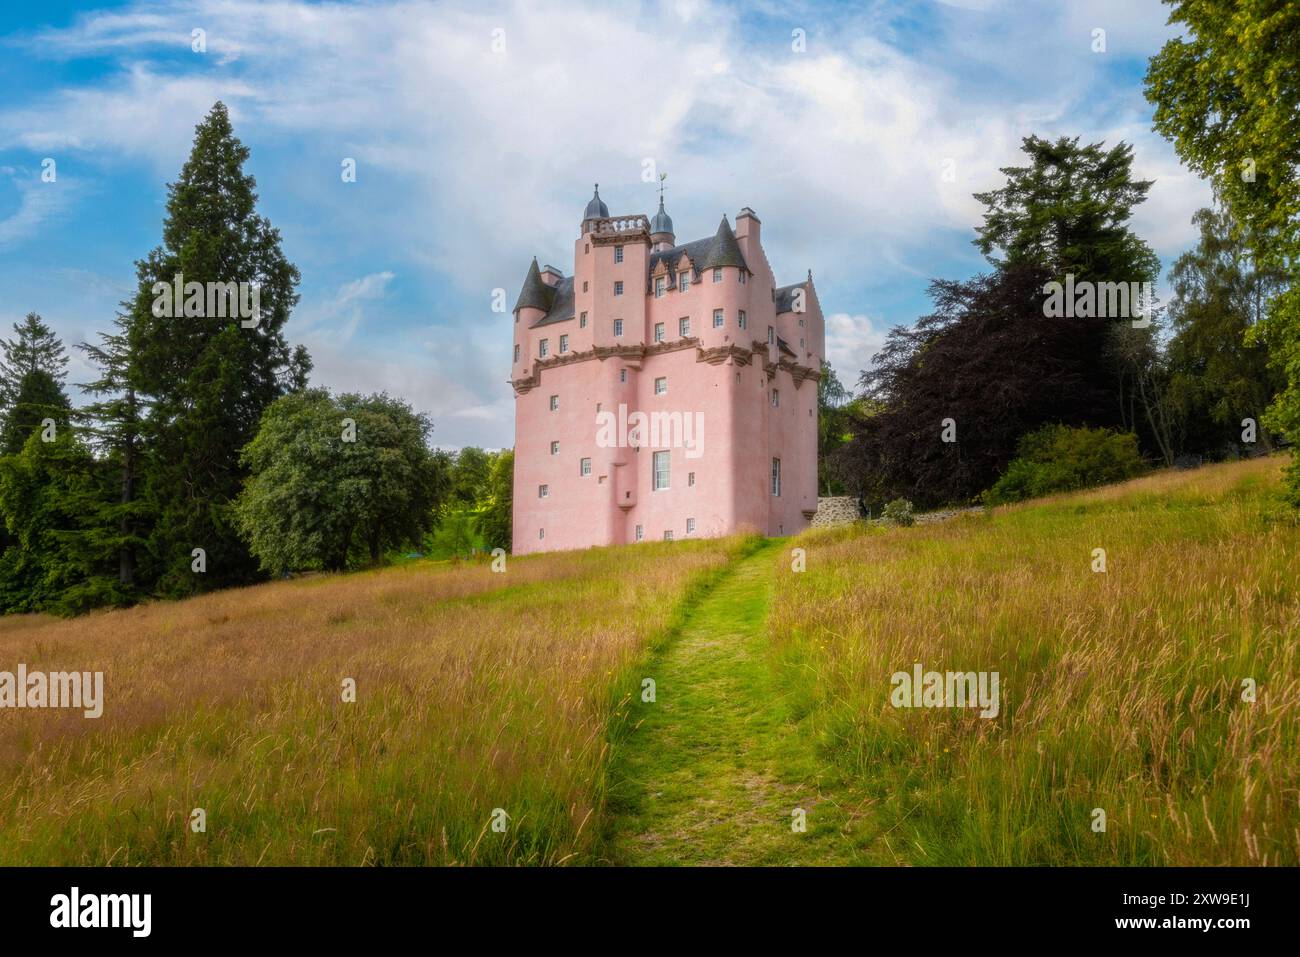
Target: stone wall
(837, 510)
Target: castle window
(543, 347)
(682, 282)
(668, 535)
(618, 254)
(564, 343)
(618, 288)
(659, 332)
(541, 533)
(555, 448)
(690, 480)
(717, 319)
(516, 352)
(582, 321)
(801, 344)
(737, 378)
(684, 326)
(586, 247)
(640, 533)
(622, 375)
(661, 471)
(771, 336)
(717, 274)
(661, 385)
(584, 285)
(776, 478)
(618, 327)
(742, 319)
(690, 526)
(659, 288)
(598, 408)
(543, 491)
(742, 276)
(776, 398)
(584, 467)
(800, 323)
(555, 403)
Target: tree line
(999, 392)
(201, 459)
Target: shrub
(1059, 458)
(898, 512)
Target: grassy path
(718, 765)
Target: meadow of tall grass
(1121, 690)
(474, 691)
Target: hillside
(523, 691)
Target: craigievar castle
(664, 390)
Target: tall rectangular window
(564, 343)
(661, 385)
(717, 319)
(640, 533)
(659, 288)
(661, 476)
(618, 328)
(776, 477)
(618, 254)
(543, 347)
(516, 352)
(555, 403)
(555, 448)
(682, 282)
(717, 274)
(584, 467)
(618, 288)
(582, 321)
(659, 332)
(776, 398)
(742, 319)
(690, 479)
(771, 336)
(742, 276)
(690, 526)
(622, 375)
(684, 327)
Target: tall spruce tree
(32, 370)
(206, 375)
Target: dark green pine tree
(32, 371)
(206, 377)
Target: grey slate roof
(721, 249)
(561, 306)
(535, 294)
(784, 346)
(785, 297)
(662, 223)
(596, 208)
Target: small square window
(640, 533)
(690, 480)
(661, 385)
(618, 327)
(668, 535)
(584, 467)
(717, 319)
(543, 491)
(618, 254)
(543, 347)
(690, 522)
(618, 288)
(582, 321)
(717, 274)
(622, 375)
(742, 319)
(659, 332)
(555, 448)
(684, 327)
(564, 343)
(555, 403)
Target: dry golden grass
(475, 691)
(1120, 691)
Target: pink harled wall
(742, 430)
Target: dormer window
(659, 288)
(683, 281)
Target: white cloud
(851, 342)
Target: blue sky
(472, 160)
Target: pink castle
(663, 390)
